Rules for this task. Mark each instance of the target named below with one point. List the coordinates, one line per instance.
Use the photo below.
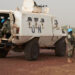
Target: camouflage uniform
(0, 34)
(6, 28)
(70, 44)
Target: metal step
(2, 44)
(48, 48)
(1, 48)
(4, 41)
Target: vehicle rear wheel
(3, 53)
(60, 47)
(32, 49)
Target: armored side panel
(34, 24)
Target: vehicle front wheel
(31, 50)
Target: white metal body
(48, 34)
(46, 30)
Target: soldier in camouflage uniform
(70, 45)
(0, 36)
(5, 30)
(0, 32)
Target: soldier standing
(0, 36)
(70, 45)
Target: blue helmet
(70, 30)
(2, 21)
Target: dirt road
(47, 64)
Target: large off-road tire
(31, 49)
(60, 47)
(4, 48)
(3, 53)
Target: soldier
(0, 36)
(70, 45)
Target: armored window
(29, 19)
(36, 19)
(42, 20)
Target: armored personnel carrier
(29, 29)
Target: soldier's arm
(66, 39)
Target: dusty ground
(47, 64)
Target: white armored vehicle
(30, 29)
